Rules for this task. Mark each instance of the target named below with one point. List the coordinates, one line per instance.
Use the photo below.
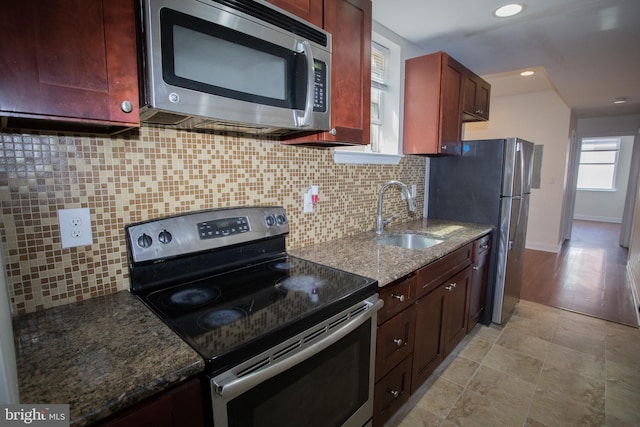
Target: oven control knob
(145, 240)
(271, 220)
(281, 219)
(164, 237)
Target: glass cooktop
(235, 314)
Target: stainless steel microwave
(233, 65)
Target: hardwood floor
(587, 276)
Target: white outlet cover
(75, 227)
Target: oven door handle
(233, 386)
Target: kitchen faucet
(381, 222)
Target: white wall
(543, 118)
(607, 206)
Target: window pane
(597, 177)
(600, 144)
(379, 60)
(598, 157)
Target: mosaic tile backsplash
(152, 172)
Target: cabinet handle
(394, 393)
(484, 246)
(126, 106)
(398, 297)
(475, 268)
(333, 131)
(444, 148)
(451, 286)
(399, 342)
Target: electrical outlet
(75, 227)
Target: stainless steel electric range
(286, 341)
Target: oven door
(322, 377)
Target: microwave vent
(164, 118)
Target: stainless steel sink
(408, 240)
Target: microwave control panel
(320, 96)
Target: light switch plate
(75, 227)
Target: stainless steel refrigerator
(489, 183)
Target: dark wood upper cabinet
(349, 22)
(477, 94)
(309, 10)
(437, 95)
(69, 65)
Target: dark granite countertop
(99, 356)
(360, 254)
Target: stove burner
(301, 283)
(217, 318)
(193, 297)
(282, 266)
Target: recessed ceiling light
(527, 73)
(508, 10)
(620, 100)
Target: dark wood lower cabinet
(391, 392)
(428, 350)
(415, 336)
(455, 324)
(180, 406)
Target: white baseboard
(546, 247)
(614, 220)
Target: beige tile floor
(545, 367)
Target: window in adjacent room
(598, 164)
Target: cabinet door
(455, 316)
(391, 392)
(397, 296)
(433, 105)
(394, 341)
(476, 98)
(428, 351)
(309, 10)
(349, 22)
(451, 106)
(177, 407)
(69, 60)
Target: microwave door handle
(305, 120)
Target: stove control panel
(223, 227)
(203, 230)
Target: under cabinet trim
(363, 158)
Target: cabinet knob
(475, 268)
(394, 393)
(333, 131)
(399, 342)
(444, 148)
(484, 246)
(400, 297)
(451, 286)
(126, 106)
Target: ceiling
(587, 50)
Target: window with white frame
(598, 164)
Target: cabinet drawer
(438, 271)
(394, 341)
(397, 297)
(481, 247)
(391, 392)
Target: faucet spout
(380, 220)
